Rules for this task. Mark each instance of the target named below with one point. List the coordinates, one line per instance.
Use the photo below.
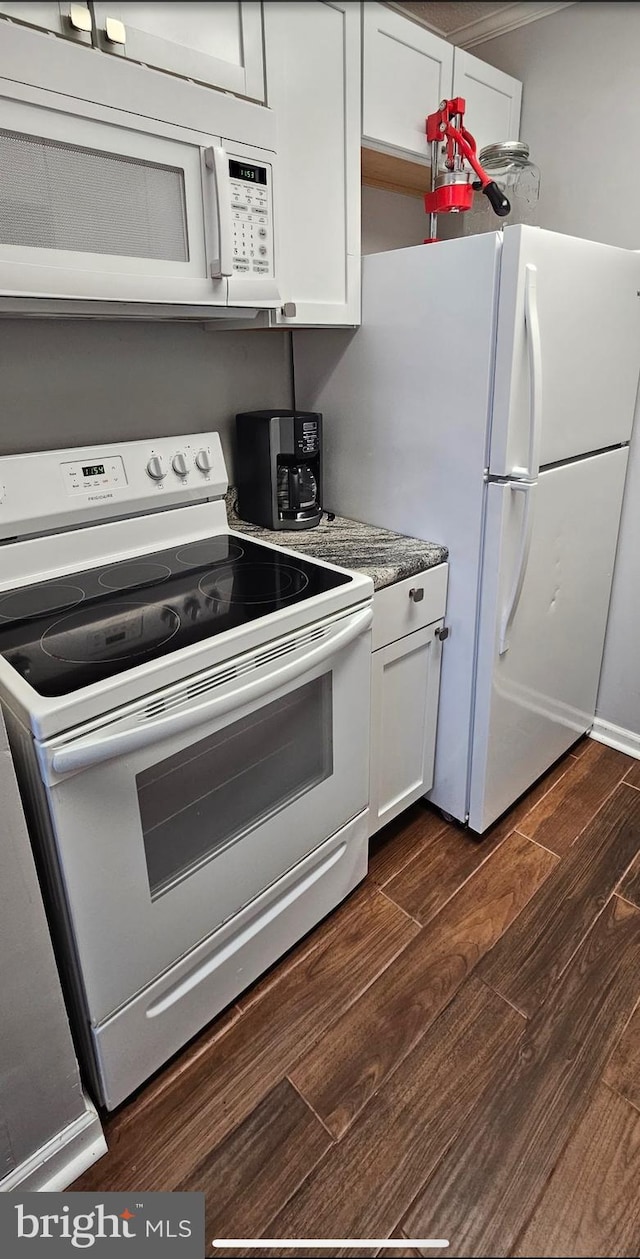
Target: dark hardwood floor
(454, 1053)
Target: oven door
(176, 812)
(102, 205)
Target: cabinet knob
(288, 310)
(115, 31)
(417, 594)
(442, 632)
(79, 17)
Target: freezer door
(584, 304)
(541, 639)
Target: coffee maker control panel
(306, 436)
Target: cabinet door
(407, 71)
(215, 43)
(313, 84)
(71, 20)
(493, 99)
(405, 681)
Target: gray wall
(391, 220)
(581, 116)
(66, 383)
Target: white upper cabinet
(71, 20)
(407, 71)
(313, 85)
(219, 44)
(493, 99)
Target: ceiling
(471, 23)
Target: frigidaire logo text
(83, 1230)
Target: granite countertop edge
(381, 554)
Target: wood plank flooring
(455, 1052)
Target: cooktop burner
(30, 601)
(63, 635)
(253, 583)
(123, 631)
(210, 551)
(133, 574)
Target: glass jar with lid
(509, 164)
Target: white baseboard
(66, 1156)
(616, 737)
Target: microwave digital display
(93, 469)
(244, 170)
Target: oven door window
(197, 802)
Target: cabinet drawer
(396, 613)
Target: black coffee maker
(279, 462)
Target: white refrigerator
(487, 403)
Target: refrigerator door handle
(532, 325)
(534, 355)
(511, 607)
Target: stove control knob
(179, 465)
(203, 460)
(155, 468)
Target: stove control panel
(62, 488)
(82, 478)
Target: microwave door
(100, 206)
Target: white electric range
(189, 713)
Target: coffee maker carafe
(279, 457)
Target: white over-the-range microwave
(125, 191)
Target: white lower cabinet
(405, 684)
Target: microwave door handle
(101, 747)
(216, 162)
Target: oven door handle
(100, 747)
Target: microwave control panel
(250, 184)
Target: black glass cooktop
(65, 634)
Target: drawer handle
(417, 594)
(442, 633)
(79, 17)
(115, 31)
